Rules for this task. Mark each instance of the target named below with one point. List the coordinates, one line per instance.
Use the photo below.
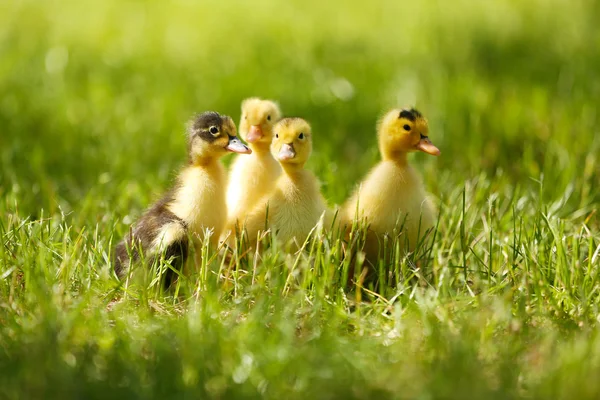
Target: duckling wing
(158, 233)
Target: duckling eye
(213, 130)
(301, 135)
(406, 127)
(268, 117)
(277, 136)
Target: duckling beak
(286, 152)
(426, 146)
(235, 145)
(254, 134)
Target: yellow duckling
(296, 204)
(194, 205)
(251, 178)
(392, 195)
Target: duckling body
(253, 177)
(296, 204)
(195, 204)
(200, 189)
(392, 199)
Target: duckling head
(258, 118)
(292, 143)
(211, 135)
(403, 131)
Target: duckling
(196, 203)
(392, 195)
(251, 178)
(296, 204)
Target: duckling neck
(397, 157)
(261, 149)
(204, 161)
(293, 171)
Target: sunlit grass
(502, 303)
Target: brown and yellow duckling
(194, 205)
(392, 195)
(296, 205)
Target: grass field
(506, 304)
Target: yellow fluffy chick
(253, 177)
(196, 203)
(296, 204)
(392, 195)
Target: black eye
(301, 135)
(406, 127)
(277, 136)
(268, 117)
(214, 130)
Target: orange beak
(426, 146)
(254, 134)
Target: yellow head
(292, 143)
(402, 131)
(258, 118)
(211, 135)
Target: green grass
(93, 101)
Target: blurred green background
(94, 95)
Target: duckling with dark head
(392, 197)
(194, 206)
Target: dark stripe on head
(206, 136)
(410, 115)
(206, 120)
(200, 125)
